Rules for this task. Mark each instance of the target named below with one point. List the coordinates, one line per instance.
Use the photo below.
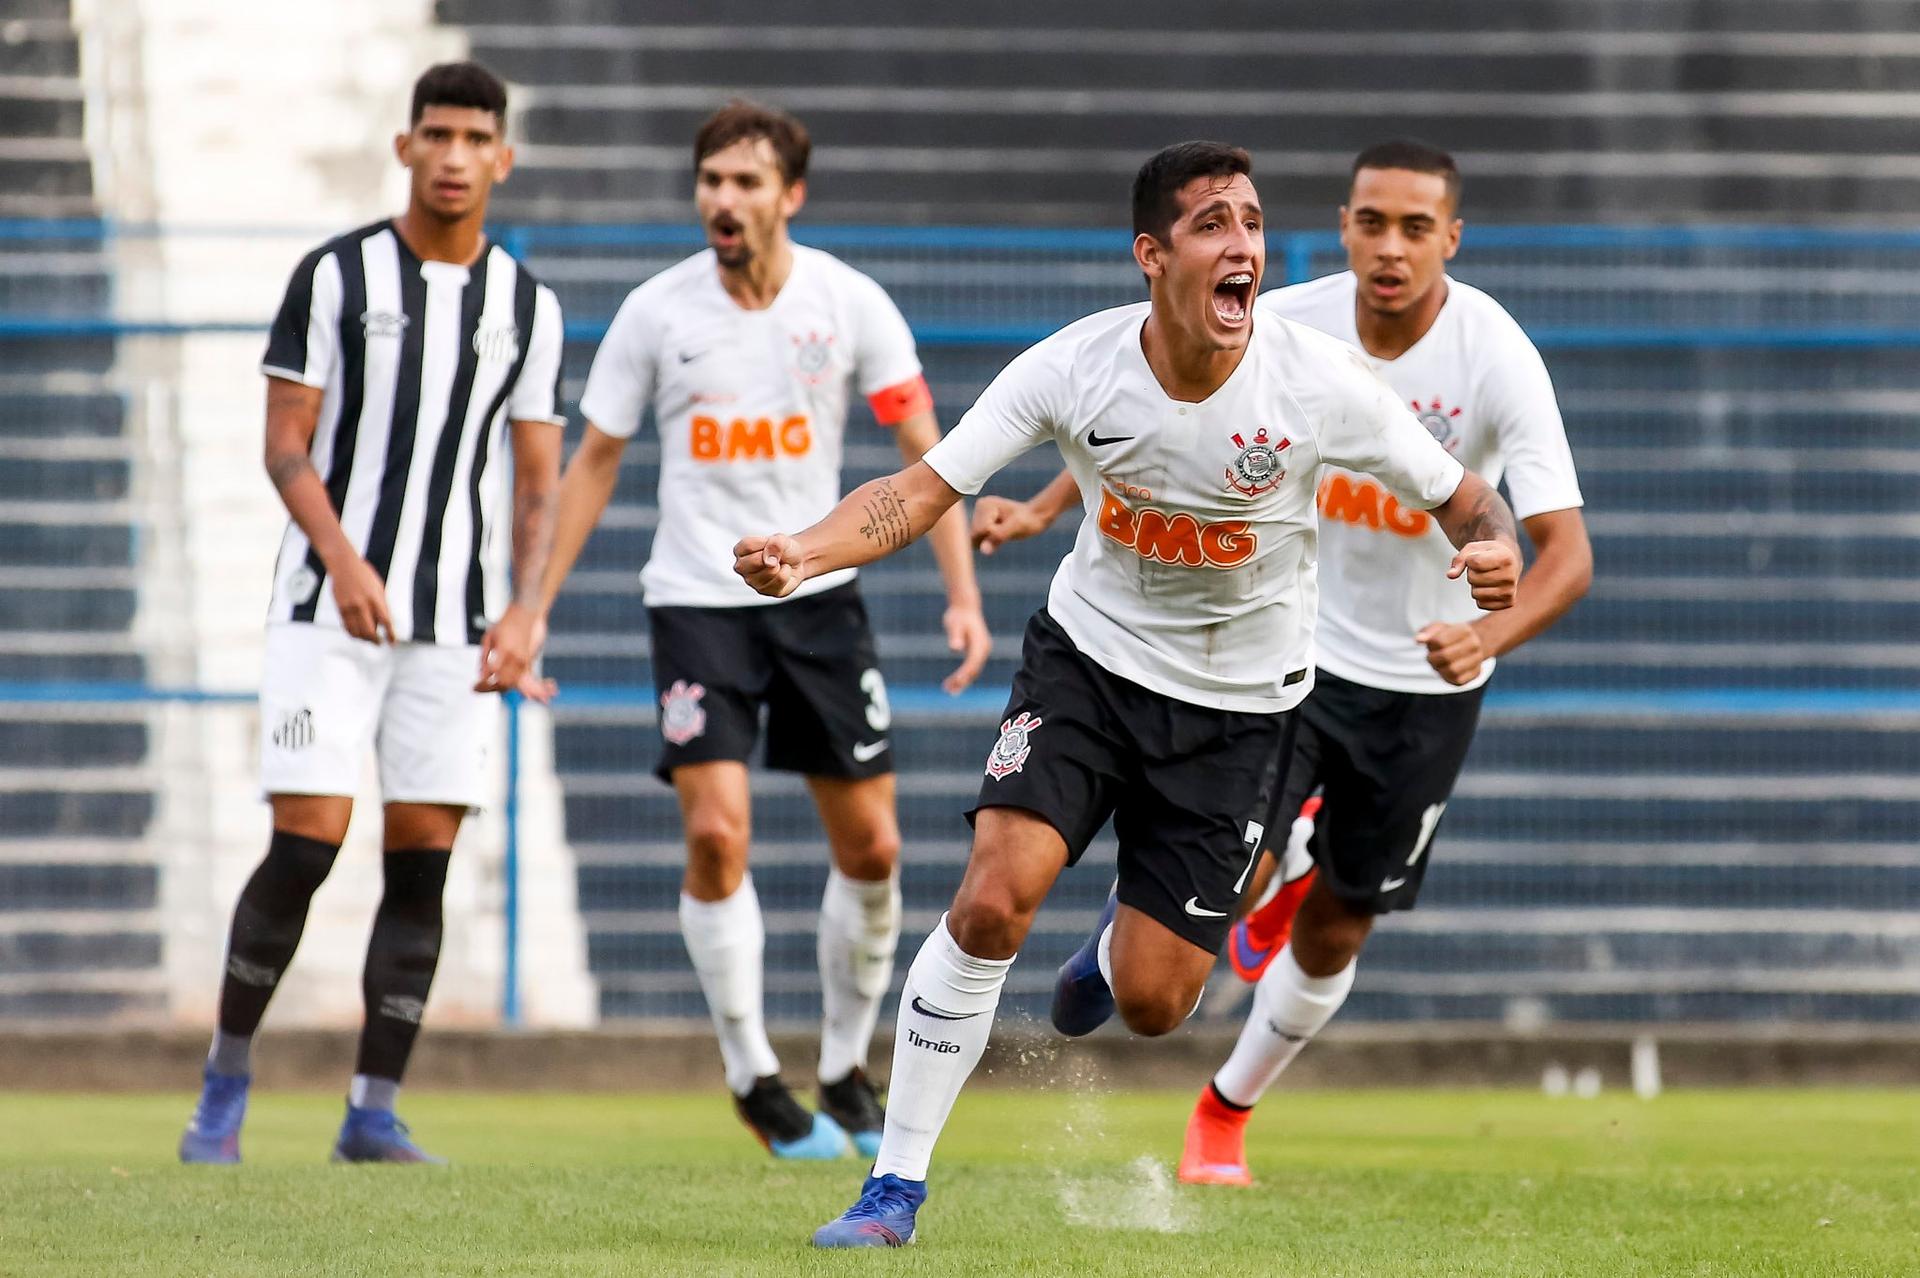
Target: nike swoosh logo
(687, 357)
(1193, 907)
(1391, 884)
(924, 1010)
(867, 751)
(1093, 437)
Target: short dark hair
(740, 120)
(1415, 157)
(460, 84)
(1156, 187)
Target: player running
(746, 353)
(1404, 655)
(400, 352)
(1156, 685)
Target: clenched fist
(771, 565)
(1492, 568)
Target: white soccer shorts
(326, 698)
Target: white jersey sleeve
(621, 382)
(1018, 411)
(884, 354)
(1370, 430)
(1519, 398)
(304, 343)
(536, 394)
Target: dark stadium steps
(88, 609)
(58, 953)
(80, 743)
(1648, 742)
(62, 808)
(64, 479)
(40, 50)
(43, 413)
(24, 543)
(77, 885)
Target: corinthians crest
(812, 355)
(1015, 744)
(1441, 422)
(1257, 466)
(681, 718)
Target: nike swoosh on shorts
(1194, 908)
(867, 751)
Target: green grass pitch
(1077, 1182)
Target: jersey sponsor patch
(1010, 752)
(681, 716)
(1176, 538)
(1356, 500)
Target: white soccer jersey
(421, 363)
(1480, 388)
(1193, 572)
(751, 407)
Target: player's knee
(1153, 1012)
(987, 921)
(872, 856)
(716, 845)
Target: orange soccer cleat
(1216, 1151)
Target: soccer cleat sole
(1215, 1174)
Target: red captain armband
(895, 404)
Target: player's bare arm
(998, 520)
(508, 649)
(1561, 571)
(1479, 524)
(873, 521)
(584, 491)
(964, 621)
(293, 412)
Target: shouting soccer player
(1403, 653)
(399, 353)
(746, 353)
(1157, 684)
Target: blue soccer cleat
(213, 1133)
(882, 1217)
(853, 1104)
(1082, 1000)
(785, 1127)
(377, 1136)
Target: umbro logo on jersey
(868, 751)
(383, 323)
(1199, 911)
(1094, 438)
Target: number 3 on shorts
(879, 713)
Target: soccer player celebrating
(1404, 654)
(1157, 684)
(400, 353)
(746, 353)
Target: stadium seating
(1618, 856)
(77, 930)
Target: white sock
(367, 1092)
(1289, 1008)
(726, 939)
(859, 932)
(1103, 955)
(946, 1014)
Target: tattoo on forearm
(532, 544)
(1489, 519)
(887, 524)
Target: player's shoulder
(822, 271)
(1483, 314)
(341, 245)
(682, 277)
(1294, 340)
(1309, 300)
(1114, 327)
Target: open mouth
(1387, 283)
(1233, 298)
(724, 232)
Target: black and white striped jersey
(421, 363)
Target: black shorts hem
(1054, 819)
(1203, 933)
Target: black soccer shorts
(810, 662)
(1186, 785)
(1386, 763)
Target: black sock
(401, 957)
(266, 927)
